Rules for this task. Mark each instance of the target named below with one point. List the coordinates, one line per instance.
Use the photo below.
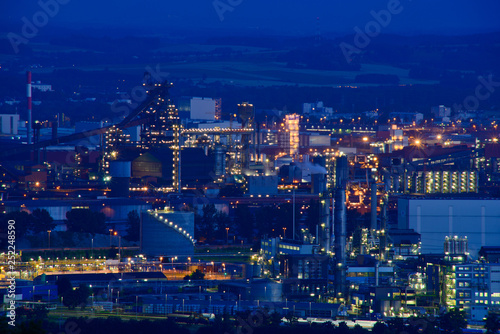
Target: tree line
(77, 221)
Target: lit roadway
(172, 271)
(215, 131)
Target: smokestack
(339, 225)
(341, 171)
(258, 142)
(383, 236)
(324, 221)
(28, 95)
(340, 241)
(374, 207)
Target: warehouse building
(436, 218)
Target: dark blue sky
(294, 17)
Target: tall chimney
(339, 226)
(28, 95)
(373, 207)
(340, 241)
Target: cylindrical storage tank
(318, 183)
(341, 171)
(446, 245)
(120, 172)
(248, 271)
(460, 246)
(120, 168)
(453, 249)
(397, 306)
(256, 270)
(267, 290)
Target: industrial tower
(163, 129)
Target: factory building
(263, 185)
(432, 169)
(258, 289)
(9, 124)
(167, 233)
(474, 287)
(195, 167)
(442, 182)
(25, 175)
(305, 276)
(288, 138)
(371, 275)
(272, 247)
(436, 218)
(200, 108)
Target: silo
(256, 270)
(446, 245)
(267, 290)
(120, 172)
(341, 171)
(252, 270)
(464, 245)
(318, 183)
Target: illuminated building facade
(113, 139)
(292, 127)
(163, 130)
(473, 286)
(442, 182)
(288, 136)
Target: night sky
(291, 17)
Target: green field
(253, 67)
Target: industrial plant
(278, 178)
